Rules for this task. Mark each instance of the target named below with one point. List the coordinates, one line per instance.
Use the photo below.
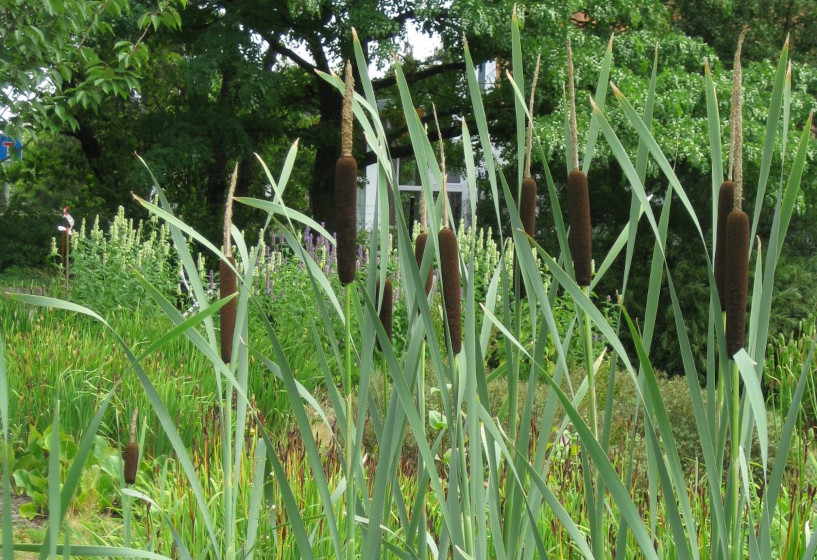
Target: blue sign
(9, 148)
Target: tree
(718, 23)
(240, 77)
(64, 56)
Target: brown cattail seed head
(386, 308)
(419, 249)
(737, 279)
(346, 211)
(131, 462)
(527, 206)
(450, 270)
(527, 213)
(227, 287)
(578, 201)
(726, 203)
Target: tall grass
(481, 491)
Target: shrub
(102, 263)
(25, 229)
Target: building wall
(456, 186)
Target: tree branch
(283, 50)
(407, 150)
(419, 75)
(427, 120)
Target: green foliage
(26, 230)
(98, 488)
(53, 173)
(482, 490)
(796, 295)
(62, 56)
(769, 21)
(102, 264)
(787, 355)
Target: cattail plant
(346, 189)
(578, 197)
(527, 198)
(346, 213)
(737, 279)
(131, 454)
(227, 276)
(419, 250)
(386, 308)
(736, 258)
(422, 238)
(527, 205)
(578, 200)
(726, 203)
(450, 271)
(449, 263)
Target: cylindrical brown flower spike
(346, 190)
(131, 454)
(726, 203)
(578, 201)
(737, 279)
(527, 213)
(450, 271)
(346, 211)
(131, 462)
(419, 249)
(385, 309)
(227, 287)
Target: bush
(102, 265)
(25, 230)
(785, 362)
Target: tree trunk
(220, 170)
(217, 185)
(327, 150)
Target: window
(410, 201)
(407, 173)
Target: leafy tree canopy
(61, 57)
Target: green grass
(162, 480)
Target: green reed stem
(421, 408)
(735, 429)
(591, 376)
(594, 491)
(421, 390)
(513, 413)
(384, 369)
(350, 487)
(722, 375)
(513, 374)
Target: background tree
(239, 78)
(62, 56)
(718, 23)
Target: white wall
(367, 197)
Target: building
(408, 179)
